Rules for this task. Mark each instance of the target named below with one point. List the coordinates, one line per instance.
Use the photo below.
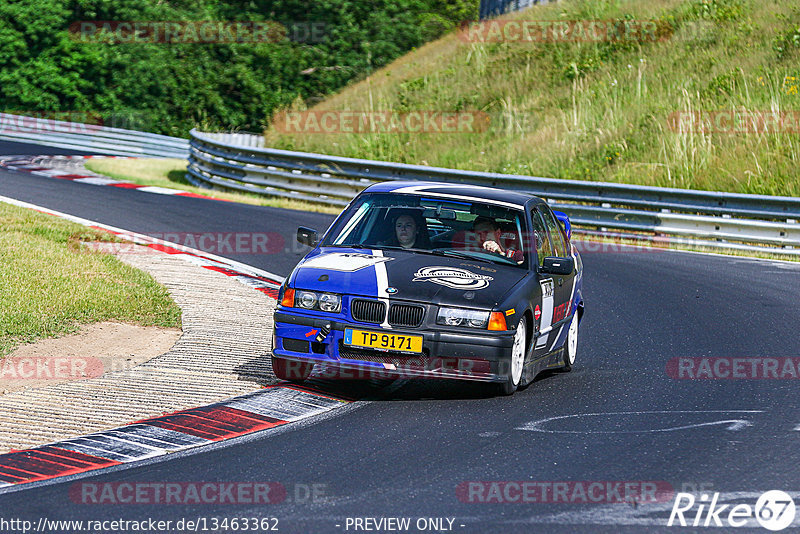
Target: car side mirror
(564, 219)
(553, 265)
(307, 236)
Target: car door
(563, 285)
(543, 309)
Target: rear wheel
(517, 361)
(571, 344)
(291, 370)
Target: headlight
(310, 300)
(461, 317)
(306, 299)
(328, 302)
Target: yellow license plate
(381, 340)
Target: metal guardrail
(493, 8)
(240, 162)
(90, 137)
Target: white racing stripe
(382, 278)
(346, 262)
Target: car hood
(404, 275)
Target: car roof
(444, 190)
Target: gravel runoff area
(223, 352)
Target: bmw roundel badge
(391, 290)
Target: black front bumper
(454, 353)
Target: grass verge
(168, 172)
(50, 285)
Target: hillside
(602, 109)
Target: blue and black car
(433, 280)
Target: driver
(489, 235)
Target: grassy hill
(598, 110)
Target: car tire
(571, 343)
(517, 361)
(291, 370)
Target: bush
(170, 88)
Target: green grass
(597, 111)
(171, 173)
(50, 285)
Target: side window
(540, 233)
(556, 236)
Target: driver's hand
(492, 246)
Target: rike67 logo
(774, 510)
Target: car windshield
(474, 230)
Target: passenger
(406, 231)
(410, 231)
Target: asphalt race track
(158, 215)
(411, 448)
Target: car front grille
(418, 361)
(368, 311)
(406, 315)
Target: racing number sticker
(547, 288)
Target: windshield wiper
(395, 247)
(433, 252)
(457, 254)
(351, 245)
